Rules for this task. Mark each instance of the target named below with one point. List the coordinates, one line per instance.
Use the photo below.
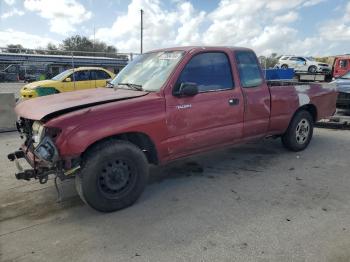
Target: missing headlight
(47, 150)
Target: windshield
(149, 71)
(346, 76)
(62, 75)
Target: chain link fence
(27, 65)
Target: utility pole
(141, 30)
(93, 48)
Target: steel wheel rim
(302, 131)
(116, 178)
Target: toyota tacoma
(164, 105)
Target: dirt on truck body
(165, 105)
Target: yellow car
(69, 80)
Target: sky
(300, 27)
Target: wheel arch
(311, 108)
(141, 140)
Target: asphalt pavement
(254, 202)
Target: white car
(303, 64)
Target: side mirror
(304, 62)
(68, 79)
(187, 89)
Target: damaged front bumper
(40, 151)
(44, 160)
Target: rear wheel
(284, 66)
(299, 132)
(113, 175)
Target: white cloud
(313, 2)
(161, 27)
(13, 12)
(10, 36)
(286, 18)
(10, 2)
(63, 15)
(260, 24)
(264, 25)
(338, 29)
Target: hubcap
(302, 131)
(115, 178)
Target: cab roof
(197, 48)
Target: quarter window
(248, 69)
(210, 71)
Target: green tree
(82, 43)
(269, 61)
(52, 49)
(14, 48)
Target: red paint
(341, 66)
(210, 122)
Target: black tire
(284, 66)
(114, 174)
(312, 69)
(297, 138)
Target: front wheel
(299, 132)
(113, 175)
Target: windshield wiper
(134, 86)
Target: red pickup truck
(165, 105)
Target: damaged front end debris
(40, 152)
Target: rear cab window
(211, 71)
(248, 69)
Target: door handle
(233, 101)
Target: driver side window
(210, 71)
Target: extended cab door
(256, 95)
(210, 118)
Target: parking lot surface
(254, 202)
(11, 88)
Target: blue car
(343, 87)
